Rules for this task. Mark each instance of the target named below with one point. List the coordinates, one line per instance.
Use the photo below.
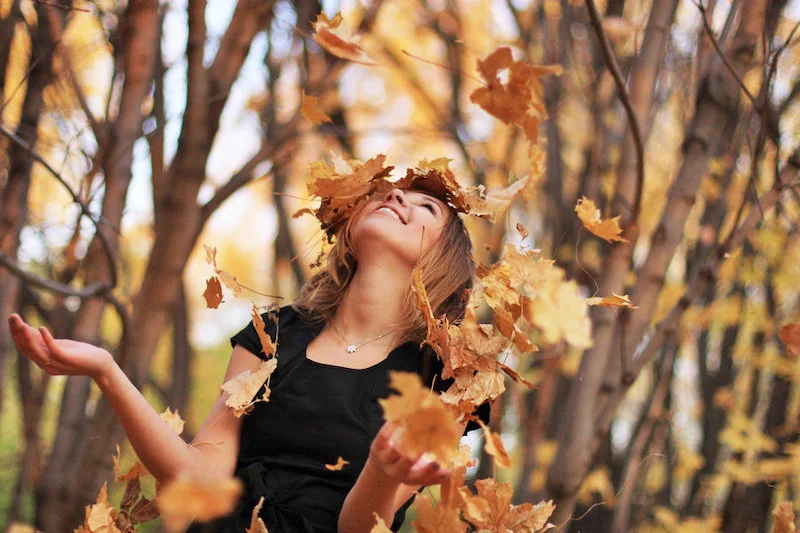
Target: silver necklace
(351, 347)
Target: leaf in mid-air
(213, 292)
(607, 229)
(243, 388)
(333, 39)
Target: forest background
(133, 132)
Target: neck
(372, 304)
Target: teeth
(387, 210)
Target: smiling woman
(353, 323)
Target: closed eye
(429, 207)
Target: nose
(395, 194)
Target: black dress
(316, 413)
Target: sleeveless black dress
(316, 413)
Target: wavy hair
(448, 273)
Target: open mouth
(389, 211)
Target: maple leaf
(505, 324)
(518, 101)
(185, 500)
(499, 515)
(267, 346)
(784, 518)
(615, 300)
(243, 388)
(426, 423)
(134, 509)
(213, 293)
(497, 202)
(338, 465)
(790, 335)
(494, 446)
(380, 526)
(561, 314)
(309, 109)
(437, 519)
(607, 229)
(257, 525)
(173, 420)
(101, 517)
(334, 40)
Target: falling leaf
(213, 293)
(494, 446)
(520, 99)
(615, 300)
(309, 109)
(790, 335)
(173, 420)
(784, 518)
(243, 388)
(607, 229)
(561, 314)
(502, 515)
(267, 346)
(522, 231)
(185, 500)
(436, 519)
(101, 516)
(338, 465)
(427, 425)
(257, 525)
(380, 525)
(211, 255)
(331, 37)
(230, 282)
(134, 508)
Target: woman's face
(403, 223)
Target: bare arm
(388, 480)
(165, 454)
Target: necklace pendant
(352, 348)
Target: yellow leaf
(173, 420)
(243, 388)
(267, 346)
(494, 446)
(338, 465)
(615, 300)
(561, 314)
(590, 216)
(256, 523)
(185, 500)
(101, 516)
(380, 525)
(437, 519)
(309, 109)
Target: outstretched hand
(400, 466)
(59, 356)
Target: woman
(352, 323)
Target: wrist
(105, 374)
(378, 478)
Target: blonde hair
(448, 273)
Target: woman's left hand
(400, 466)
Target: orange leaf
(257, 525)
(607, 229)
(134, 471)
(338, 465)
(615, 300)
(213, 293)
(784, 518)
(790, 335)
(380, 525)
(101, 517)
(519, 100)
(309, 109)
(494, 446)
(437, 519)
(337, 42)
(267, 346)
(185, 500)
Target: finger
(28, 340)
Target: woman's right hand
(59, 356)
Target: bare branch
(95, 289)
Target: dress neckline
(345, 368)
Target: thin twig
(613, 67)
(723, 57)
(95, 289)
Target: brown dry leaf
(497, 202)
(134, 508)
(230, 281)
(528, 518)
(336, 41)
(338, 465)
(424, 306)
(437, 519)
(784, 518)
(380, 526)
(243, 388)
(134, 471)
(607, 229)
(522, 231)
(257, 525)
(502, 515)
(790, 335)
(505, 324)
(213, 293)
(173, 420)
(494, 446)
(185, 500)
(615, 300)
(267, 346)
(101, 517)
(309, 109)
(520, 99)
(427, 424)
